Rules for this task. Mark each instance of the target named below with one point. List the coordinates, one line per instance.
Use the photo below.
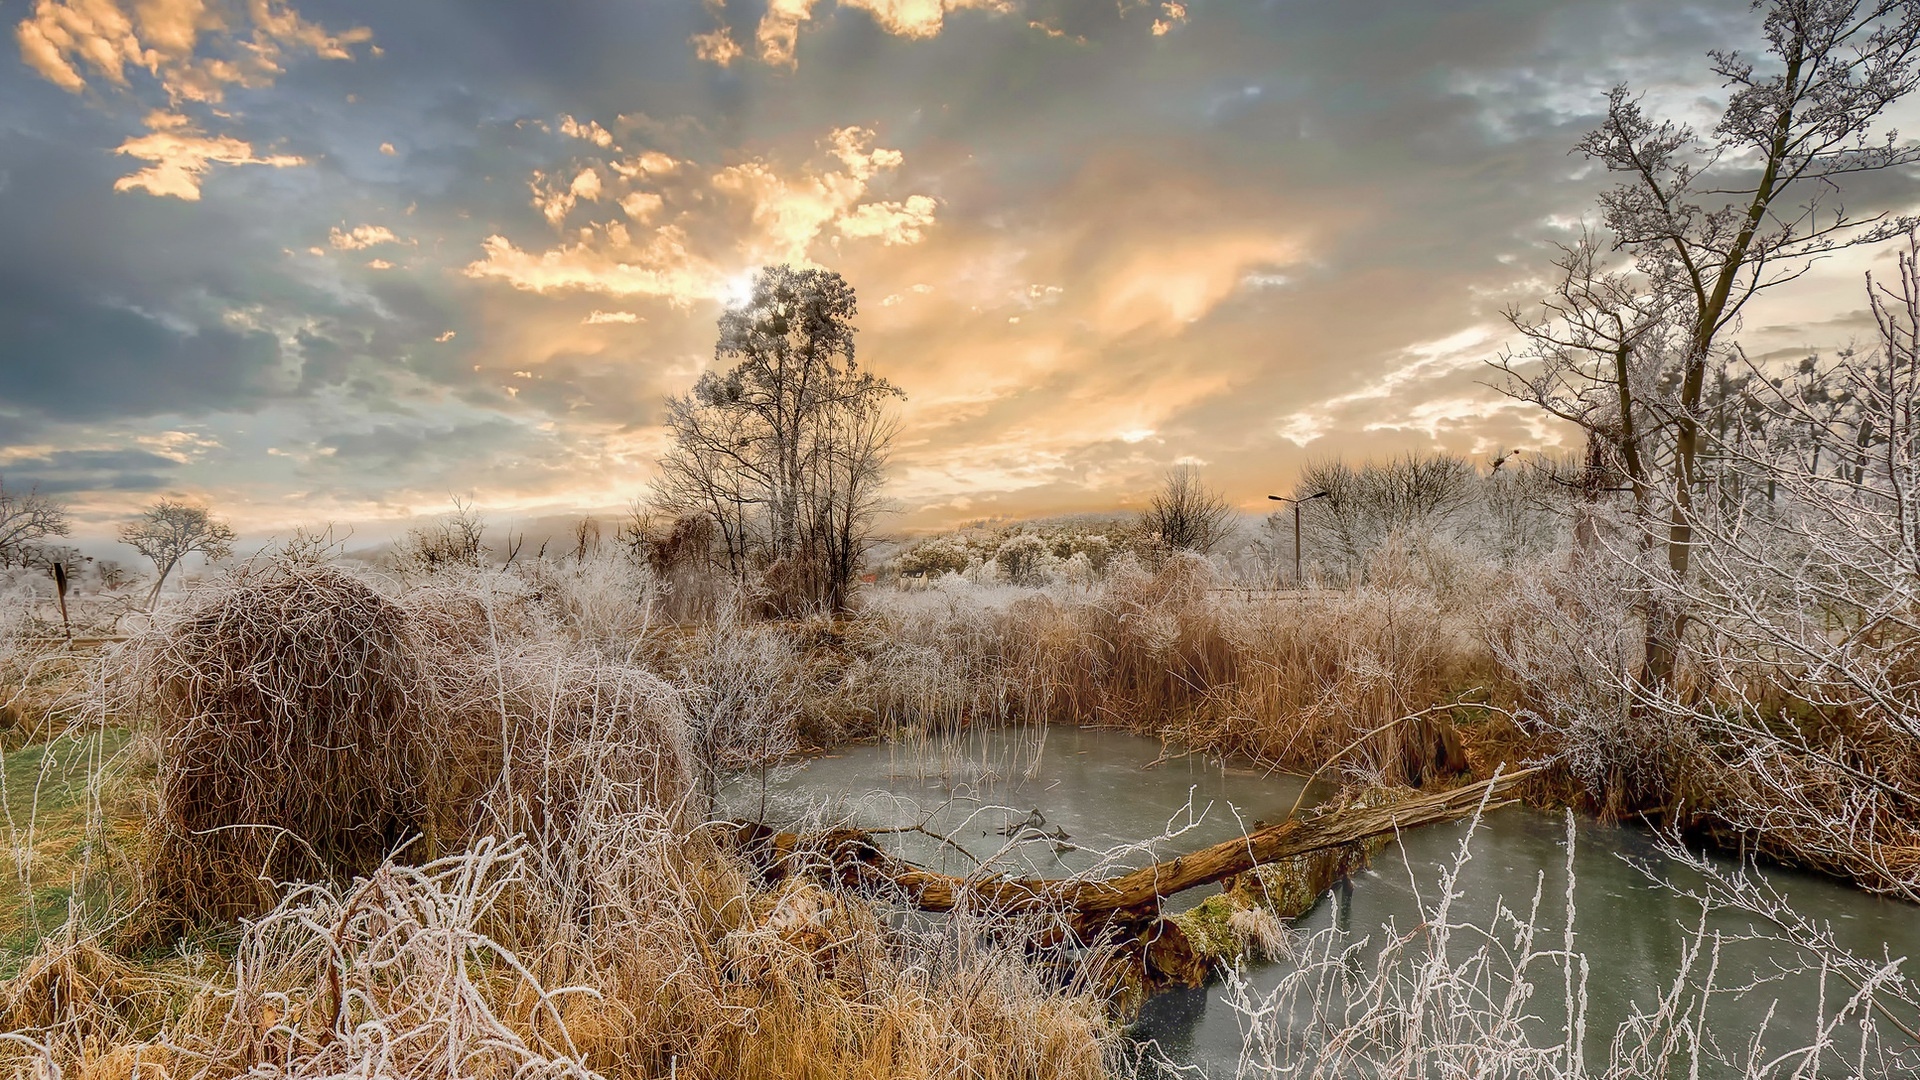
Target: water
(1057, 801)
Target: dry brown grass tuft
(644, 953)
(298, 731)
(79, 1001)
(1293, 680)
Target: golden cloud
(245, 43)
(788, 211)
(716, 46)
(1172, 14)
(360, 237)
(591, 131)
(641, 205)
(778, 34)
(892, 222)
(662, 267)
(1173, 281)
(182, 155)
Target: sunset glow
(317, 260)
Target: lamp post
(1296, 526)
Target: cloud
(892, 222)
(193, 50)
(591, 131)
(716, 46)
(787, 211)
(641, 205)
(555, 197)
(1172, 14)
(779, 29)
(790, 212)
(613, 264)
(181, 155)
(599, 318)
(920, 18)
(71, 472)
(645, 163)
(71, 355)
(778, 34)
(360, 237)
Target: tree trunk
(1122, 912)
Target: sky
(344, 261)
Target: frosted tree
(1700, 224)
(167, 532)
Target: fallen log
(1121, 911)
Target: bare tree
(1808, 592)
(25, 519)
(456, 540)
(1186, 514)
(1412, 496)
(586, 538)
(844, 504)
(1708, 221)
(169, 531)
(784, 451)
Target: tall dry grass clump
(1296, 680)
(310, 724)
(299, 735)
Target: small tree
(1186, 514)
(169, 531)
(457, 540)
(25, 519)
(1023, 559)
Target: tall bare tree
(1706, 221)
(25, 519)
(843, 500)
(169, 531)
(785, 449)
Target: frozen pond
(1064, 800)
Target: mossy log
(1124, 911)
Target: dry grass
(539, 748)
(560, 912)
(297, 733)
(478, 965)
(1292, 681)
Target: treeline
(1437, 505)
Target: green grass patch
(68, 817)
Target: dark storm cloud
(64, 472)
(396, 446)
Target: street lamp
(1296, 526)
